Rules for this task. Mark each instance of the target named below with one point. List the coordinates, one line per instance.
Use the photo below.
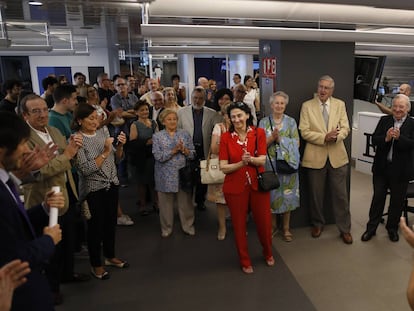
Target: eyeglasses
(39, 111)
(121, 84)
(323, 87)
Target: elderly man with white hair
(393, 166)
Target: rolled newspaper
(53, 213)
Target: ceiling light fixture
(38, 3)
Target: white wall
(96, 58)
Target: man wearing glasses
(123, 103)
(57, 172)
(324, 126)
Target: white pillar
(241, 64)
(186, 71)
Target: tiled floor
(363, 276)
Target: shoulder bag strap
(267, 153)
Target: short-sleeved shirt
(61, 122)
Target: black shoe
(367, 236)
(393, 235)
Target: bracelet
(103, 156)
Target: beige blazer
(313, 130)
(52, 174)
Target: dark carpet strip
(184, 273)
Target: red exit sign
(269, 67)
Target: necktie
(325, 115)
(20, 205)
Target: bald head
(203, 82)
(405, 89)
(157, 99)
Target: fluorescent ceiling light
(35, 3)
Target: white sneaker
(124, 220)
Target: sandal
(122, 264)
(103, 276)
(270, 261)
(287, 236)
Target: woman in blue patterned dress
(283, 143)
(171, 147)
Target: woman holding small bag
(283, 147)
(242, 154)
(171, 148)
(215, 191)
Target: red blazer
(232, 150)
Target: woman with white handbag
(215, 191)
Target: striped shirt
(91, 177)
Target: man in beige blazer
(57, 172)
(199, 121)
(324, 126)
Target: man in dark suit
(21, 233)
(393, 166)
(199, 121)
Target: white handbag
(210, 171)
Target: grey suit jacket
(52, 174)
(186, 122)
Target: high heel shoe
(270, 261)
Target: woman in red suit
(239, 158)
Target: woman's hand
(122, 138)
(108, 144)
(275, 135)
(246, 157)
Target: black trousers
(398, 191)
(101, 227)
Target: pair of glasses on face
(121, 84)
(39, 111)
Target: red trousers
(259, 203)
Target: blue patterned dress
(166, 164)
(286, 197)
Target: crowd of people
(92, 139)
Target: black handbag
(189, 175)
(282, 167)
(267, 180)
